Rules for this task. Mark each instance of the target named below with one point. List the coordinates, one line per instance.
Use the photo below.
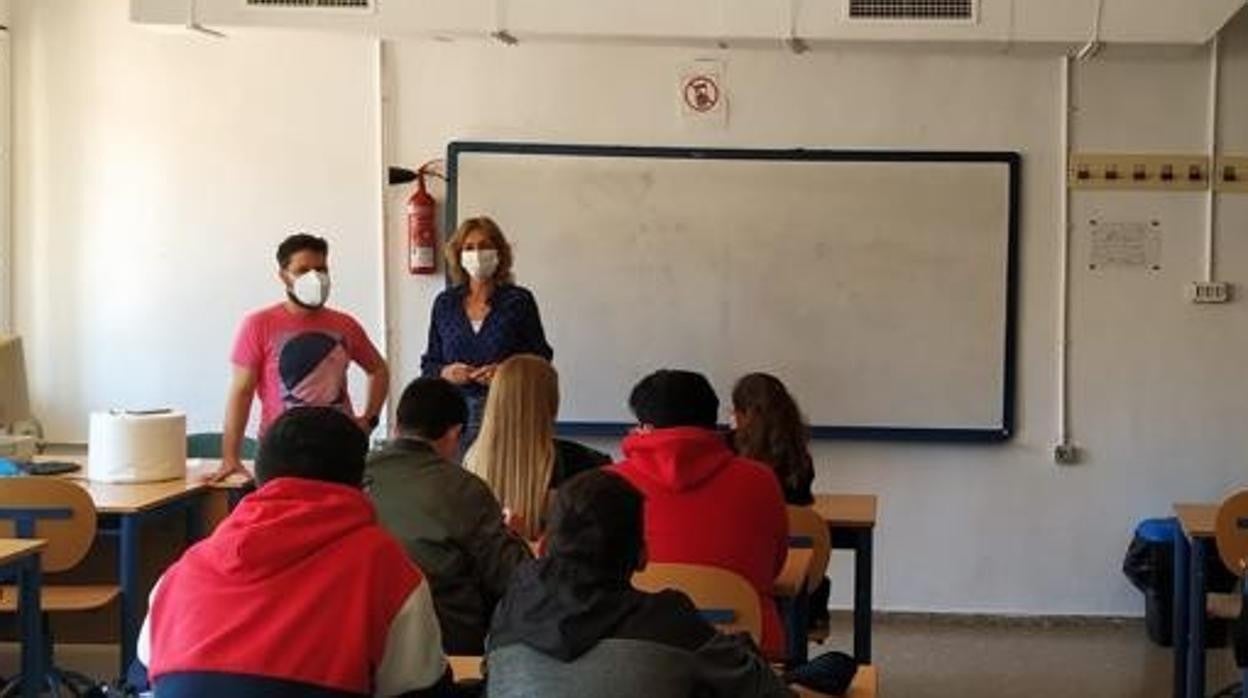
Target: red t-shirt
(301, 358)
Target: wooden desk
(847, 510)
(122, 510)
(21, 557)
(465, 667)
(851, 521)
(1197, 525)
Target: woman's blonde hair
(455, 245)
(515, 450)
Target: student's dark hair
(674, 398)
(773, 431)
(429, 407)
(314, 443)
(597, 521)
(298, 243)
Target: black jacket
(564, 631)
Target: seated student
(299, 592)
(770, 429)
(572, 625)
(517, 452)
(444, 515)
(704, 505)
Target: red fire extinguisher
(422, 229)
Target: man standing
(296, 353)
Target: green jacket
(452, 528)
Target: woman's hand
(458, 373)
(484, 374)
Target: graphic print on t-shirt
(313, 369)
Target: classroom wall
(156, 172)
(121, 157)
(1158, 385)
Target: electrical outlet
(1209, 292)
(1231, 175)
(1066, 454)
(1126, 171)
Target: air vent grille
(314, 4)
(923, 10)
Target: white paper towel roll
(137, 446)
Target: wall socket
(1209, 292)
(1125, 171)
(1066, 454)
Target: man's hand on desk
(228, 467)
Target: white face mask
(480, 264)
(310, 289)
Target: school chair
(807, 529)
(724, 598)
(63, 514)
(1231, 538)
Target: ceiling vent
(366, 5)
(912, 10)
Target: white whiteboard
(876, 285)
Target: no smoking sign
(702, 97)
(702, 93)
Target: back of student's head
(674, 398)
(515, 451)
(314, 443)
(597, 521)
(429, 408)
(770, 427)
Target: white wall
(120, 158)
(155, 175)
(1157, 381)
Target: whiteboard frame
(995, 434)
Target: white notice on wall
(701, 94)
(1132, 244)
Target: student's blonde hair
(515, 450)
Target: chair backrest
(56, 510)
(1232, 532)
(207, 444)
(807, 529)
(725, 597)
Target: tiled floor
(942, 658)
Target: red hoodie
(706, 506)
(300, 584)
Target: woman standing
(482, 318)
(517, 453)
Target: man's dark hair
(429, 407)
(314, 443)
(597, 521)
(298, 243)
(674, 398)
